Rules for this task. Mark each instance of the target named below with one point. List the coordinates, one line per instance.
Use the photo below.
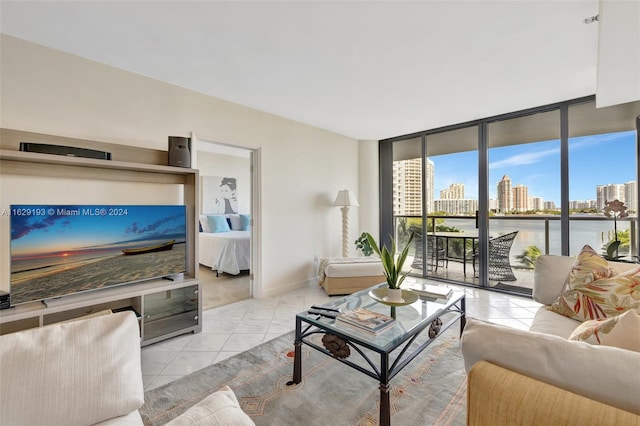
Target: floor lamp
(345, 200)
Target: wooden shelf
(141, 169)
(37, 158)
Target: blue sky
(593, 160)
(47, 231)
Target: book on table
(430, 290)
(367, 320)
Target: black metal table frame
(464, 239)
(387, 370)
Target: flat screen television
(58, 250)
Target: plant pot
(394, 295)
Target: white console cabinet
(164, 308)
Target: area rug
(431, 390)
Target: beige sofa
(340, 276)
(83, 372)
(539, 376)
(88, 372)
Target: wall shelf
(177, 304)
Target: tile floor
(234, 328)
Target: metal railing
(546, 225)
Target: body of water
(532, 233)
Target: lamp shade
(345, 198)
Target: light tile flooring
(234, 328)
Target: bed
(228, 252)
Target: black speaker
(179, 151)
(68, 151)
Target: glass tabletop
(410, 319)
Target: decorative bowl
(379, 295)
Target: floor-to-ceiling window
(524, 197)
(486, 198)
(603, 168)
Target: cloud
(591, 140)
(524, 158)
(135, 228)
(21, 227)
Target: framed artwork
(219, 195)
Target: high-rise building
(549, 205)
(457, 189)
(520, 198)
(463, 207)
(505, 195)
(429, 190)
(407, 187)
(454, 192)
(536, 203)
(610, 192)
(630, 195)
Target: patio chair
(435, 250)
(499, 263)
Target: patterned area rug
(431, 390)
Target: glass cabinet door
(170, 311)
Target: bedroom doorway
(226, 241)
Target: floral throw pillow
(591, 292)
(622, 331)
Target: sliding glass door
(524, 197)
(486, 198)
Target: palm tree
(529, 256)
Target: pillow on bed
(235, 222)
(204, 223)
(218, 223)
(246, 222)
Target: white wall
(369, 189)
(47, 91)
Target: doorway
(226, 240)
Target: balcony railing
(537, 234)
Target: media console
(165, 308)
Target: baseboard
(280, 290)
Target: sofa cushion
(549, 322)
(549, 277)
(591, 291)
(131, 419)
(219, 408)
(77, 373)
(622, 331)
(597, 372)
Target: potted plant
(362, 244)
(392, 265)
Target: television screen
(59, 250)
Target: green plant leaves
(392, 265)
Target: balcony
(537, 234)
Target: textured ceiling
(369, 70)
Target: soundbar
(68, 151)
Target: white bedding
(228, 252)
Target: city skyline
(596, 163)
(593, 160)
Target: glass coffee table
(381, 356)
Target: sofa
(543, 375)
(346, 275)
(87, 371)
(82, 372)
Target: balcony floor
(455, 271)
